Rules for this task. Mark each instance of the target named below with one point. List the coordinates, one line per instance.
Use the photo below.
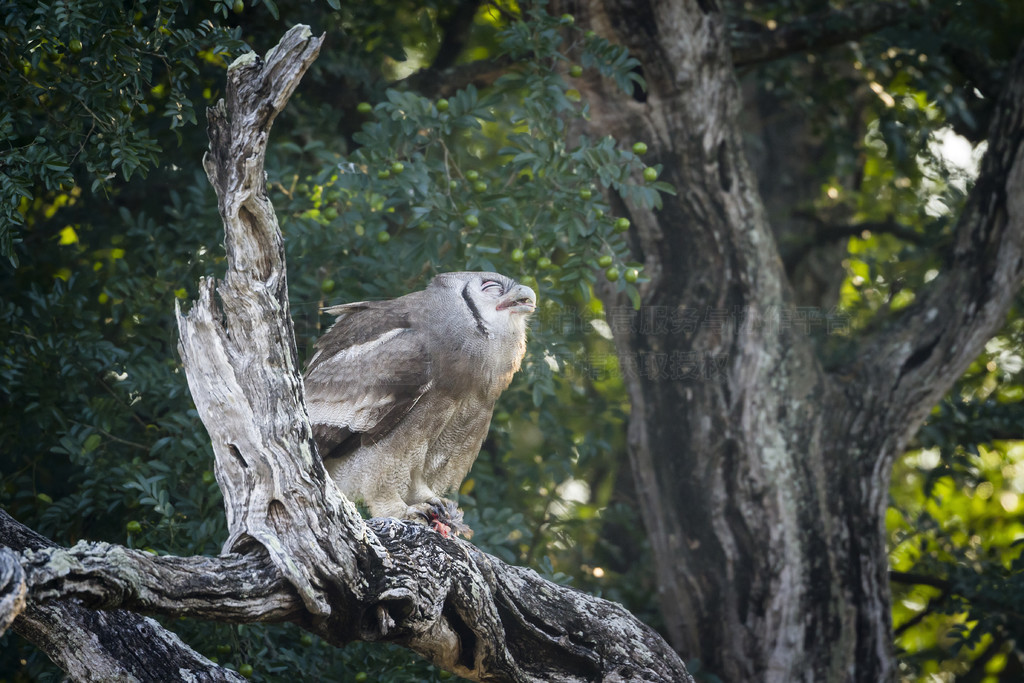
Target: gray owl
(400, 392)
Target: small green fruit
(612, 274)
(208, 477)
(479, 186)
(503, 416)
(397, 167)
(360, 677)
(239, 6)
(575, 70)
(223, 648)
(605, 261)
(306, 640)
(245, 670)
(364, 107)
(650, 174)
(383, 237)
(528, 238)
(639, 148)
(585, 193)
(384, 175)
(43, 498)
(330, 213)
(621, 225)
(533, 253)
(472, 220)
(567, 19)
(516, 255)
(631, 275)
(75, 46)
(444, 675)
(543, 263)
(442, 105)
(452, 184)
(133, 527)
(573, 95)
(327, 286)
(589, 35)
(472, 175)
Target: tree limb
(233, 588)
(828, 233)
(91, 645)
(754, 45)
(474, 614)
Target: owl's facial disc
(520, 299)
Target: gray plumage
(400, 392)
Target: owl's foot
(443, 516)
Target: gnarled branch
(94, 645)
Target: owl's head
(494, 303)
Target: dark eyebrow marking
(473, 309)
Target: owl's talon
(441, 515)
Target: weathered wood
(235, 588)
(239, 355)
(102, 646)
(13, 588)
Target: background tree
(776, 301)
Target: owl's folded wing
(369, 370)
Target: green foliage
(955, 522)
(91, 90)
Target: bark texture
(88, 644)
(298, 550)
(764, 476)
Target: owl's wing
(368, 372)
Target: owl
(400, 392)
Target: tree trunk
(763, 477)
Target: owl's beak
(520, 299)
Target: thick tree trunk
(764, 478)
